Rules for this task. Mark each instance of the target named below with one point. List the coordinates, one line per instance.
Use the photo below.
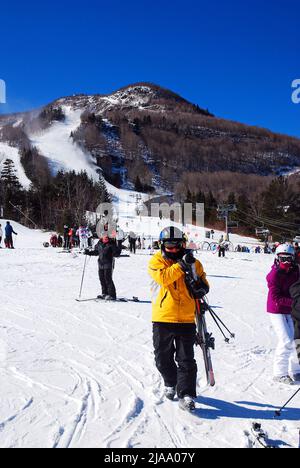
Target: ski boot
(101, 296)
(187, 403)
(170, 393)
(286, 380)
(110, 298)
(296, 378)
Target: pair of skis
(206, 342)
(205, 339)
(119, 299)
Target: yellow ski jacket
(171, 300)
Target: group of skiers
(174, 329)
(173, 316)
(72, 237)
(77, 237)
(173, 302)
(8, 239)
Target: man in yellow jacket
(174, 329)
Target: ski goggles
(173, 245)
(286, 258)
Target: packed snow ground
(83, 374)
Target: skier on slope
(132, 241)
(222, 247)
(120, 237)
(83, 235)
(284, 274)
(107, 250)
(174, 329)
(66, 237)
(8, 235)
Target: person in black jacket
(295, 293)
(107, 250)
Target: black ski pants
(132, 244)
(107, 284)
(66, 241)
(10, 242)
(222, 252)
(174, 356)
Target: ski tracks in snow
(83, 375)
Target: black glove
(197, 288)
(186, 263)
(87, 252)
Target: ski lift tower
(224, 212)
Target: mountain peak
(142, 95)
(151, 96)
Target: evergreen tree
(11, 192)
(9, 176)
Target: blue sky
(237, 58)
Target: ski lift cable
(273, 223)
(270, 220)
(273, 226)
(275, 230)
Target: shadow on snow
(239, 410)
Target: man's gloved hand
(87, 252)
(189, 258)
(187, 261)
(197, 288)
(200, 289)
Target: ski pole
(278, 413)
(83, 274)
(213, 313)
(219, 327)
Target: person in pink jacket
(284, 274)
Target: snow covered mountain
(140, 136)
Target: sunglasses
(286, 259)
(173, 245)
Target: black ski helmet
(172, 234)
